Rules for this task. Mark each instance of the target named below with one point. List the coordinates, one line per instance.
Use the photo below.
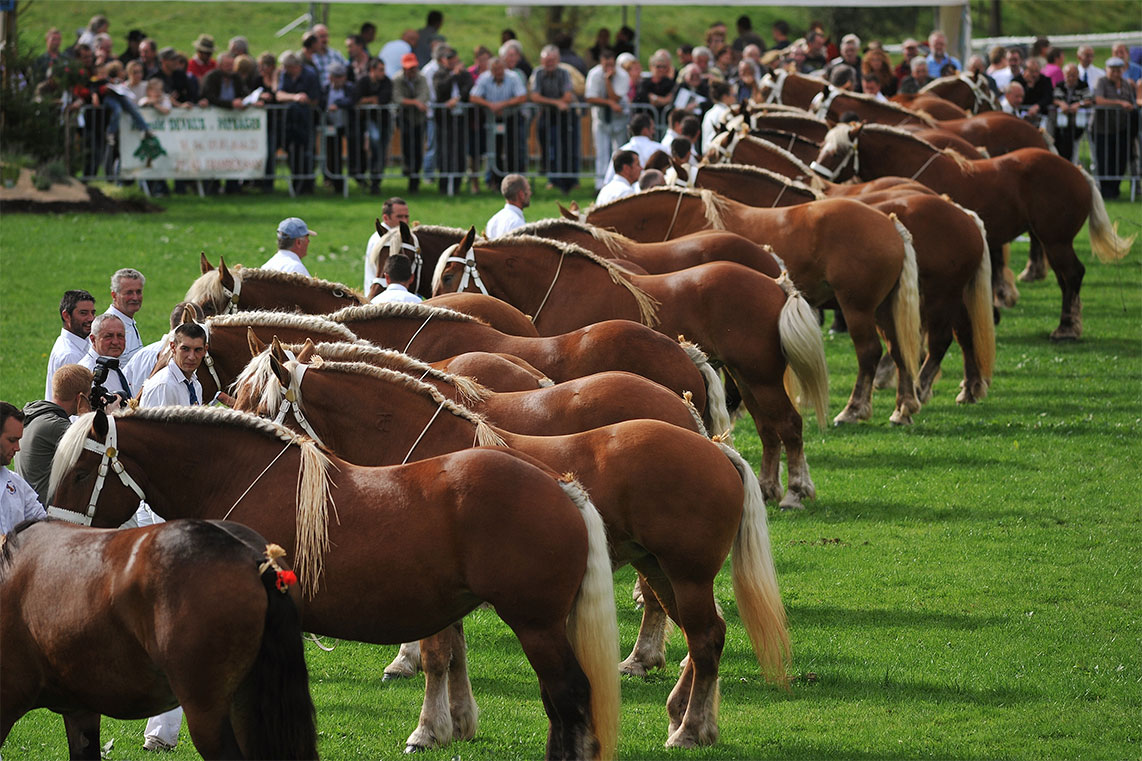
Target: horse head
(838, 151)
(215, 290)
(458, 261)
(86, 455)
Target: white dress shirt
(396, 294)
(18, 501)
(67, 350)
(643, 146)
(141, 365)
(504, 221)
(286, 261)
(615, 189)
(371, 273)
(130, 331)
(168, 387)
(710, 123)
(114, 383)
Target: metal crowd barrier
(1112, 138)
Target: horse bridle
(982, 94)
(822, 104)
(110, 461)
(831, 174)
(231, 295)
(292, 395)
(470, 272)
(776, 83)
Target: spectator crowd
(467, 121)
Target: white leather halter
(726, 152)
(831, 174)
(981, 92)
(776, 83)
(231, 295)
(821, 103)
(673, 179)
(470, 272)
(110, 454)
(417, 261)
(292, 402)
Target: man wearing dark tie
(178, 383)
(107, 341)
(126, 300)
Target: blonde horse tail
(720, 421)
(1104, 238)
(906, 305)
(755, 579)
(1050, 141)
(804, 349)
(592, 626)
(977, 299)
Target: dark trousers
(412, 150)
(1113, 151)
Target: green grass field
(965, 588)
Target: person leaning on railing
(1072, 100)
(1114, 125)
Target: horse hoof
(791, 501)
(1032, 274)
(392, 676)
(1062, 335)
(846, 416)
(900, 417)
(414, 748)
(631, 667)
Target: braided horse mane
(371, 311)
(614, 241)
(964, 163)
(747, 169)
(313, 485)
(207, 288)
(713, 205)
(647, 304)
(310, 322)
(919, 116)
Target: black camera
(100, 396)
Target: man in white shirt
(641, 142)
(723, 96)
(608, 89)
(18, 500)
(141, 365)
(293, 244)
(107, 341)
(1088, 72)
(627, 169)
(126, 300)
(393, 212)
(398, 279)
(77, 312)
(517, 194)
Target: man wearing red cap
(410, 91)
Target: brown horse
(576, 405)
(1030, 191)
(227, 290)
(432, 333)
(648, 480)
(827, 102)
(190, 613)
(480, 525)
(953, 264)
(840, 248)
(705, 303)
(499, 314)
(968, 90)
(931, 104)
(995, 131)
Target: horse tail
(803, 347)
(977, 299)
(592, 626)
(720, 420)
(755, 579)
(906, 304)
(1104, 239)
(283, 724)
(1048, 140)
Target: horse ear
(566, 213)
(204, 263)
(224, 275)
(380, 230)
(276, 350)
(306, 352)
(466, 244)
(281, 373)
(405, 232)
(257, 346)
(188, 315)
(99, 425)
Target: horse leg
(1002, 279)
(907, 401)
(1036, 268)
(461, 702)
(779, 424)
(973, 387)
(435, 726)
(649, 650)
(210, 728)
(405, 665)
(940, 318)
(862, 331)
(82, 728)
(1069, 273)
(564, 688)
(885, 373)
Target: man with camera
(108, 340)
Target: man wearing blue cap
(293, 244)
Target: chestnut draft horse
(480, 525)
(432, 333)
(190, 613)
(707, 303)
(968, 90)
(827, 102)
(227, 290)
(1030, 190)
(648, 480)
(576, 405)
(843, 249)
(952, 261)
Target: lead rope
(777, 200)
(677, 206)
(926, 163)
(255, 481)
(558, 269)
(421, 436)
(414, 335)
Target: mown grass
(964, 588)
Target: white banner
(196, 144)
